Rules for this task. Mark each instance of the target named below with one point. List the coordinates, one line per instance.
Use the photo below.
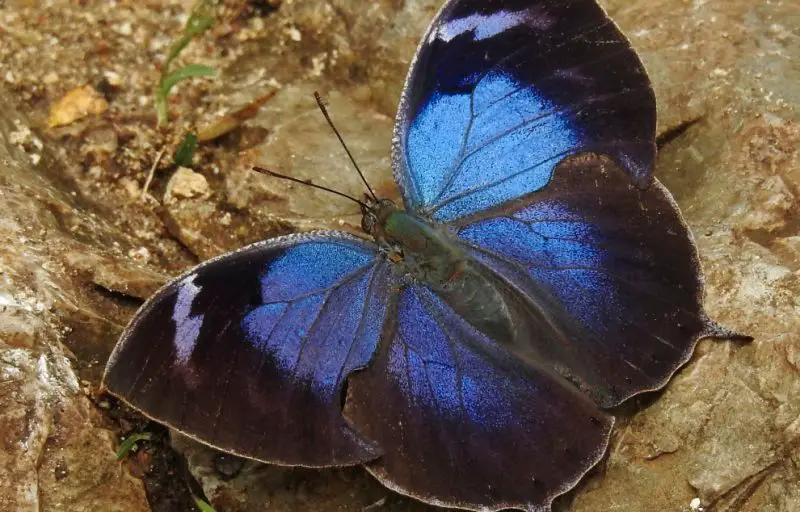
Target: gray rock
(725, 429)
(57, 452)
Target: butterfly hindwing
(501, 91)
(249, 352)
(612, 268)
(465, 424)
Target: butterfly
(467, 348)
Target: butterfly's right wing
(609, 271)
(249, 352)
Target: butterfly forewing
(249, 352)
(501, 91)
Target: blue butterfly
(536, 275)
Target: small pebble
(228, 466)
(186, 184)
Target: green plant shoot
(185, 152)
(202, 505)
(201, 19)
(129, 443)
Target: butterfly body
(536, 275)
(420, 248)
(432, 255)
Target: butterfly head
(375, 213)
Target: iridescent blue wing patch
(464, 423)
(610, 271)
(248, 352)
(500, 92)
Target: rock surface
(723, 435)
(58, 453)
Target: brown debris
(77, 104)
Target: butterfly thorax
(418, 247)
(430, 254)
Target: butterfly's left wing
(501, 91)
(465, 424)
(249, 352)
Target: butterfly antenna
(309, 184)
(341, 140)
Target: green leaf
(128, 443)
(198, 23)
(176, 48)
(195, 26)
(168, 81)
(202, 505)
(185, 153)
(201, 19)
(180, 74)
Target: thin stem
(330, 123)
(152, 173)
(309, 184)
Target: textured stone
(721, 431)
(57, 453)
(186, 184)
(717, 435)
(303, 146)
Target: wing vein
(491, 184)
(451, 347)
(361, 323)
(454, 172)
(339, 282)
